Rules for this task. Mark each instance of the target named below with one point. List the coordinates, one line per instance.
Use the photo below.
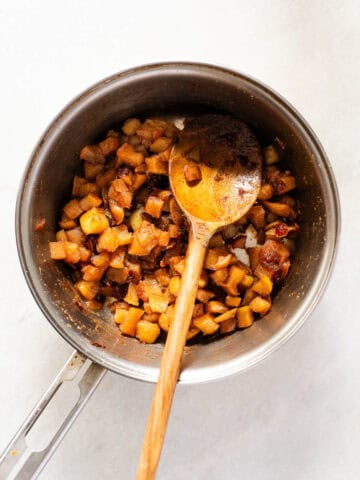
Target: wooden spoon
(228, 155)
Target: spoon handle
(171, 361)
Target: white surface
(296, 416)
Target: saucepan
(166, 89)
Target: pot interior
(174, 89)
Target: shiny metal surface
(19, 461)
(168, 89)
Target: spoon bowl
(228, 157)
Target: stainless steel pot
(165, 89)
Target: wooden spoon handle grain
(171, 361)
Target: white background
(296, 416)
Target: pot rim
(312, 296)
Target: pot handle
(18, 461)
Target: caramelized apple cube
(94, 221)
(117, 212)
(232, 301)
(226, 315)
(254, 256)
(158, 302)
(144, 239)
(263, 286)
(164, 238)
(176, 213)
(76, 235)
(101, 260)
(109, 145)
(138, 180)
(130, 126)
(260, 305)
(92, 154)
(236, 275)
(66, 223)
(166, 318)
(164, 195)
(132, 297)
(89, 201)
(271, 155)
(285, 183)
(57, 250)
(174, 285)
(134, 268)
(245, 317)
(91, 273)
(72, 209)
(117, 258)
(113, 238)
(228, 326)
(198, 310)
(140, 169)
(203, 280)
(218, 258)
(203, 295)
(248, 296)
(121, 193)
(128, 155)
(154, 206)
(192, 332)
(77, 183)
(219, 276)
(92, 170)
(88, 188)
(157, 165)
(279, 209)
(162, 276)
(128, 326)
(93, 305)
(120, 314)
(61, 236)
(247, 281)
(147, 332)
(85, 254)
(151, 317)
(105, 177)
(88, 290)
(177, 264)
(266, 192)
(206, 324)
(136, 218)
(160, 144)
(72, 252)
(117, 275)
(192, 174)
(174, 231)
(150, 130)
(216, 307)
(217, 241)
(256, 215)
